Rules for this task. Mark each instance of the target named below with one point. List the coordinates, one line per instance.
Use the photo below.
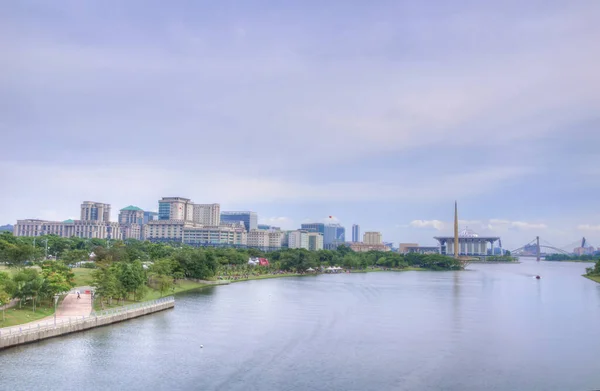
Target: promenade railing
(35, 327)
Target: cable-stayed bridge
(540, 248)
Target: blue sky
(377, 113)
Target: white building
(298, 239)
(258, 238)
(315, 241)
(175, 208)
(207, 214)
(68, 228)
(166, 230)
(372, 238)
(276, 239)
(212, 235)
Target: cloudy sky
(380, 113)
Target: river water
(493, 327)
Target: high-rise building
(315, 241)
(372, 237)
(175, 208)
(298, 239)
(95, 211)
(131, 219)
(249, 219)
(355, 233)
(131, 215)
(207, 214)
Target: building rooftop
(131, 207)
(69, 221)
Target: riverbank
(593, 278)
(41, 332)
(15, 316)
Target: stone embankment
(38, 332)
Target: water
(492, 328)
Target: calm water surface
(494, 327)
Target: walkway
(70, 307)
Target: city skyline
(380, 115)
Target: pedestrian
(78, 296)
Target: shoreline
(596, 279)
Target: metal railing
(74, 320)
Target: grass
(83, 276)
(15, 316)
(593, 278)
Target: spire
(455, 229)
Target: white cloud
(588, 227)
(435, 224)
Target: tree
(59, 277)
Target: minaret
(455, 230)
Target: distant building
(355, 233)
(150, 216)
(95, 211)
(215, 236)
(175, 208)
(390, 245)
(364, 247)
(249, 219)
(7, 227)
(268, 227)
(333, 236)
(315, 241)
(207, 214)
(91, 229)
(131, 215)
(470, 244)
(404, 247)
(298, 239)
(131, 219)
(166, 230)
(371, 237)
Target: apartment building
(207, 214)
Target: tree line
(37, 286)
(126, 269)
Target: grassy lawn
(15, 316)
(593, 278)
(83, 276)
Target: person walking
(78, 295)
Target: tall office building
(95, 211)
(313, 227)
(372, 237)
(249, 219)
(355, 233)
(207, 214)
(334, 235)
(175, 208)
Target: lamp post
(55, 302)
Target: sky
(377, 113)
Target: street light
(55, 302)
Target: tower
(455, 230)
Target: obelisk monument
(455, 230)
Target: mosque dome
(467, 233)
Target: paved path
(70, 307)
